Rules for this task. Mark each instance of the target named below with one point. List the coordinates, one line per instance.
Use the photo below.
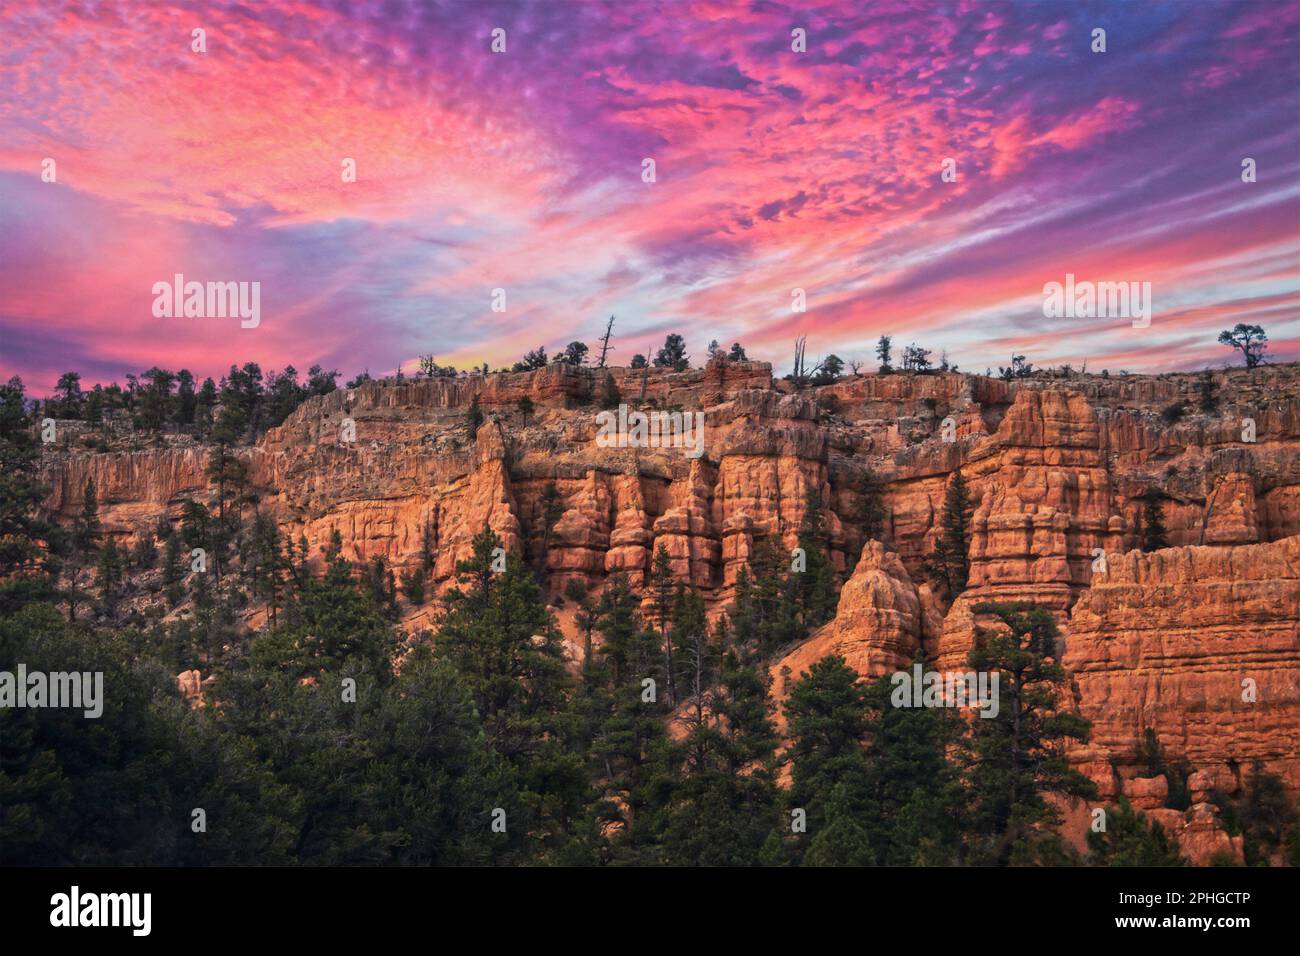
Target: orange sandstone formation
(1057, 469)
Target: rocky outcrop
(1058, 468)
(881, 622)
(1199, 644)
(191, 686)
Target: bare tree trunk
(604, 346)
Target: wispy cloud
(523, 170)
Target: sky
(920, 170)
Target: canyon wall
(1057, 467)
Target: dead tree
(604, 343)
(802, 373)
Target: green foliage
(883, 349)
(814, 587)
(473, 418)
(870, 510)
(610, 397)
(1265, 817)
(144, 553)
(413, 586)
(27, 569)
(332, 625)
(84, 550)
(827, 715)
(173, 570)
(828, 370)
(673, 354)
(664, 592)
(1207, 401)
(1018, 756)
(1250, 340)
(265, 564)
(765, 615)
(1154, 536)
(575, 353)
(725, 807)
(160, 399)
(119, 789)
(109, 573)
(658, 747)
(497, 634)
(552, 509)
(949, 566)
(1173, 413)
(857, 757)
(1129, 840)
(533, 360)
(1179, 796)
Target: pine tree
(109, 571)
(86, 532)
(335, 625)
(673, 354)
(144, 553)
(724, 807)
(231, 475)
(1207, 401)
(826, 713)
(870, 512)
(843, 840)
(1267, 819)
(499, 636)
(882, 353)
(266, 564)
(197, 533)
(381, 585)
(473, 418)
(855, 757)
(766, 614)
(610, 396)
(552, 505)
(628, 736)
(1130, 840)
(1018, 756)
(814, 587)
(913, 787)
(1154, 536)
(949, 565)
(413, 586)
(695, 656)
(172, 571)
(664, 594)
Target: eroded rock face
(191, 686)
(1199, 644)
(1057, 469)
(1199, 833)
(880, 624)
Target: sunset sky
(522, 170)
